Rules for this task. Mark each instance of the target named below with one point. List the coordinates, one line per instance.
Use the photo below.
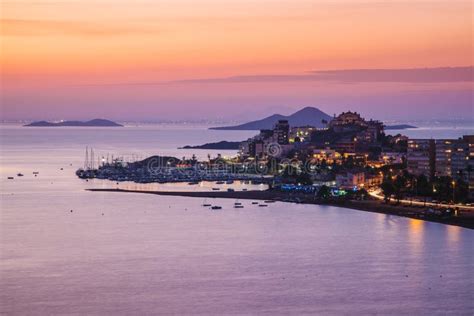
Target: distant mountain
(92, 123)
(222, 145)
(307, 116)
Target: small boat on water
(262, 205)
(215, 189)
(216, 208)
(20, 174)
(205, 204)
(220, 182)
(10, 178)
(244, 189)
(238, 206)
(35, 172)
(254, 203)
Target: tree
(400, 186)
(423, 187)
(304, 178)
(324, 192)
(387, 188)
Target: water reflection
(416, 231)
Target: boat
(238, 206)
(254, 203)
(220, 182)
(10, 178)
(35, 172)
(206, 204)
(20, 174)
(263, 205)
(193, 183)
(215, 189)
(216, 208)
(244, 189)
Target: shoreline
(464, 219)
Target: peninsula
(222, 145)
(91, 123)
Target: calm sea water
(143, 254)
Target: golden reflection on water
(416, 230)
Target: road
(378, 195)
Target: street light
(454, 187)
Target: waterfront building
(421, 157)
(281, 132)
(350, 180)
(373, 181)
(444, 148)
(390, 158)
(345, 145)
(259, 145)
(347, 121)
(329, 155)
(460, 160)
(301, 134)
(470, 164)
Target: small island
(91, 123)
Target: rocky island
(91, 123)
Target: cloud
(414, 75)
(21, 27)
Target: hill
(91, 123)
(307, 116)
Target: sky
(155, 60)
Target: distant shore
(463, 219)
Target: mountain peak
(306, 116)
(309, 110)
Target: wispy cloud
(414, 75)
(23, 27)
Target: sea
(68, 251)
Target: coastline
(464, 219)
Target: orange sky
(47, 44)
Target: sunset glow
(61, 55)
